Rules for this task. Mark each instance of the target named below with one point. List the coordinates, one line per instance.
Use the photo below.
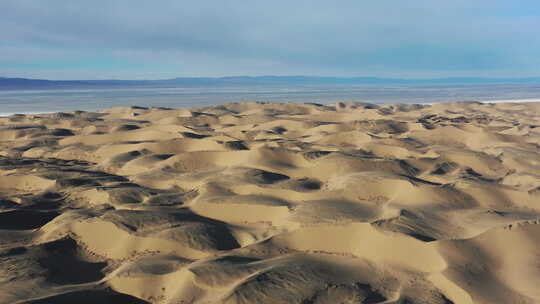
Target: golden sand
(272, 203)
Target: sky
(136, 39)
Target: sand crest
(272, 203)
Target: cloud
(387, 38)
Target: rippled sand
(272, 203)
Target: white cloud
(404, 38)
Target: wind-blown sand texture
(272, 203)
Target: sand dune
(272, 203)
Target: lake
(55, 100)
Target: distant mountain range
(24, 83)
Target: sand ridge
(272, 203)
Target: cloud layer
(158, 39)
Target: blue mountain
(24, 83)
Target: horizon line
(293, 76)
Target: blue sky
(135, 39)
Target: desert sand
(272, 203)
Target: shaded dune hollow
(272, 203)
